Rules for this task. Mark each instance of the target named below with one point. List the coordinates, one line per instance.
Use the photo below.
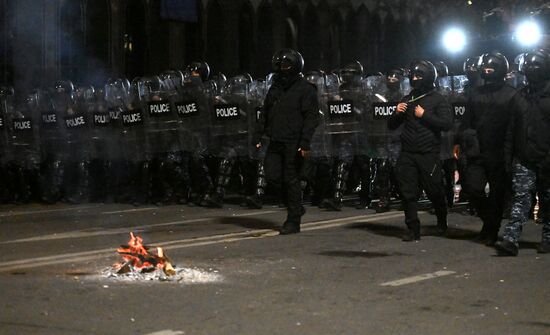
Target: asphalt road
(346, 273)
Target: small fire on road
(137, 257)
(145, 263)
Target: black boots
(413, 231)
(441, 227)
(544, 247)
(335, 204)
(291, 227)
(256, 201)
(507, 248)
(215, 199)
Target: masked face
(417, 81)
(392, 83)
(534, 74)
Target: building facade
(89, 41)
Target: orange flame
(137, 255)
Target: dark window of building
(215, 36)
(193, 39)
(335, 42)
(356, 40)
(374, 43)
(312, 39)
(265, 38)
(134, 39)
(291, 34)
(6, 37)
(98, 20)
(246, 38)
(71, 41)
(294, 26)
(159, 50)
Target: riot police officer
(6, 109)
(484, 128)
(446, 154)
(386, 93)
(528, 149)
(25, 166)
(193, 111)
(231, 120)
(291, 113)
(424, 113)
(345, 119)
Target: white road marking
(187, 243)
(121, 230)
(46, 211)
(131, 210)
(167, 332)
(418, 278)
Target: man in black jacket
(528, 147)
(486, 120)
(289, 119)
(425, 113)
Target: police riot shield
(320, 142)
(52, 123)
(231, 119)
(344, 113)
(516, 79)
(380, 109)
(169, 123)
(258, 91)
(117, 99)
(134, 135)
(452, 87)
(383, 94)
(6, 110)
(160, 120)
(192, 108)
(99, 131)
(77, 121)
(25, 132)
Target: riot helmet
(315, 77)
(287, 62)
(64, 86)
(6, 99)
(535, 65)
(199, 69)
(84, 98)
(442, 69)
(63, 96)
(470, 68)
(493, 67)
(393, 79)
(239, 84)
(6, 91)
(149, 88)
(422, 75)
(117, 91)
(171, 80)
(352, 73)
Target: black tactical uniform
(418, 166)
(486, 119)
(290, 116)
(528, 148)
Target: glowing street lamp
(454, 40)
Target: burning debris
(138, 258)
(142, 263)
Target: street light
(454, 40)
(528, 33)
